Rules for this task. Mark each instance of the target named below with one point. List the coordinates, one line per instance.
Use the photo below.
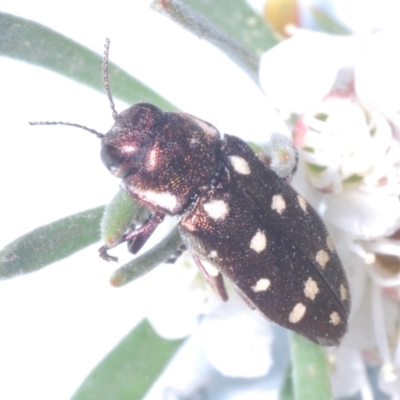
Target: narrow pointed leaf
(238, 20)
(119, 215)
(231, 26)
(202, 27)
(147, 261)
(50, 243)
(35, 44)
(328, 24)
(130, 369)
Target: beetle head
(130, 138)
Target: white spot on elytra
(210, 269)
(259, 242)
(278, 203)
(344, 294)
(213, 254)
(322, 258)
(311, 289)
(240, 165)
(262, 285)
(216, 209)
(335, 318)
(297, 313)
(302, 203)
(329, 243)
(164, 200)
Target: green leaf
(310, 370)
(287, 389)
(231, 26)
(328, 24)
(239, 21)
(130, 369)
(147, 261)
(119, 215)
(35, 44)
(50, 243)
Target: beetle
(237, 217)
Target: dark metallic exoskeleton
(236, 217)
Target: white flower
(235, 340)
(238, 340)
(177, 299)
(299, 72)
(348, 93)
(207, 363)
(351, 154)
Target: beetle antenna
(98, 134)
(106, 87)
(105, 78)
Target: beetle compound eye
(112, 157)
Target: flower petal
(377, 77)
(238, 341)
(180, 381)
(364, 215)
(349, 376)
(297, 73)
(177, 297)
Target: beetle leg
(216, 281)
(136, 237)
(178, 252)
(103, 253)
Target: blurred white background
(58, 323)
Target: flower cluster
(348, 133)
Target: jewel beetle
(237, 218)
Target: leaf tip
(117, 279)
